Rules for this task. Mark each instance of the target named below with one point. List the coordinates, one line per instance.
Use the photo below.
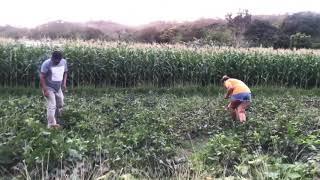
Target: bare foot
(242, 121)
(54, 126)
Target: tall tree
(261, 33)
(238, 25)
(300, 40)
(303, 22)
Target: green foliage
(238, 25)
(279, 142)
(261, 33)
(300, 40)
(222, 152)
(142, 132)
(218, 36)
(240, 30)
(127, 65)
(303, 22)
(282, 41)
(126, 130)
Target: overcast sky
(29, 13)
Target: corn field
(103, 64)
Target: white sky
(29, 13)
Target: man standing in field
(53, 79)
(240, 97)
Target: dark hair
(56, 55)
(224, 78)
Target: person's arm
(229, 92)
(229, 88)
(43, 74)
(43, 84)
(64, 82)
(65, 76)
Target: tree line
(298, 30)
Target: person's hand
(226, 96)
(45, 92)
(64, 88)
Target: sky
(30, 13)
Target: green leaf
(294, 175)
(272, 175)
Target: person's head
(224, 78)
(56, 57)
